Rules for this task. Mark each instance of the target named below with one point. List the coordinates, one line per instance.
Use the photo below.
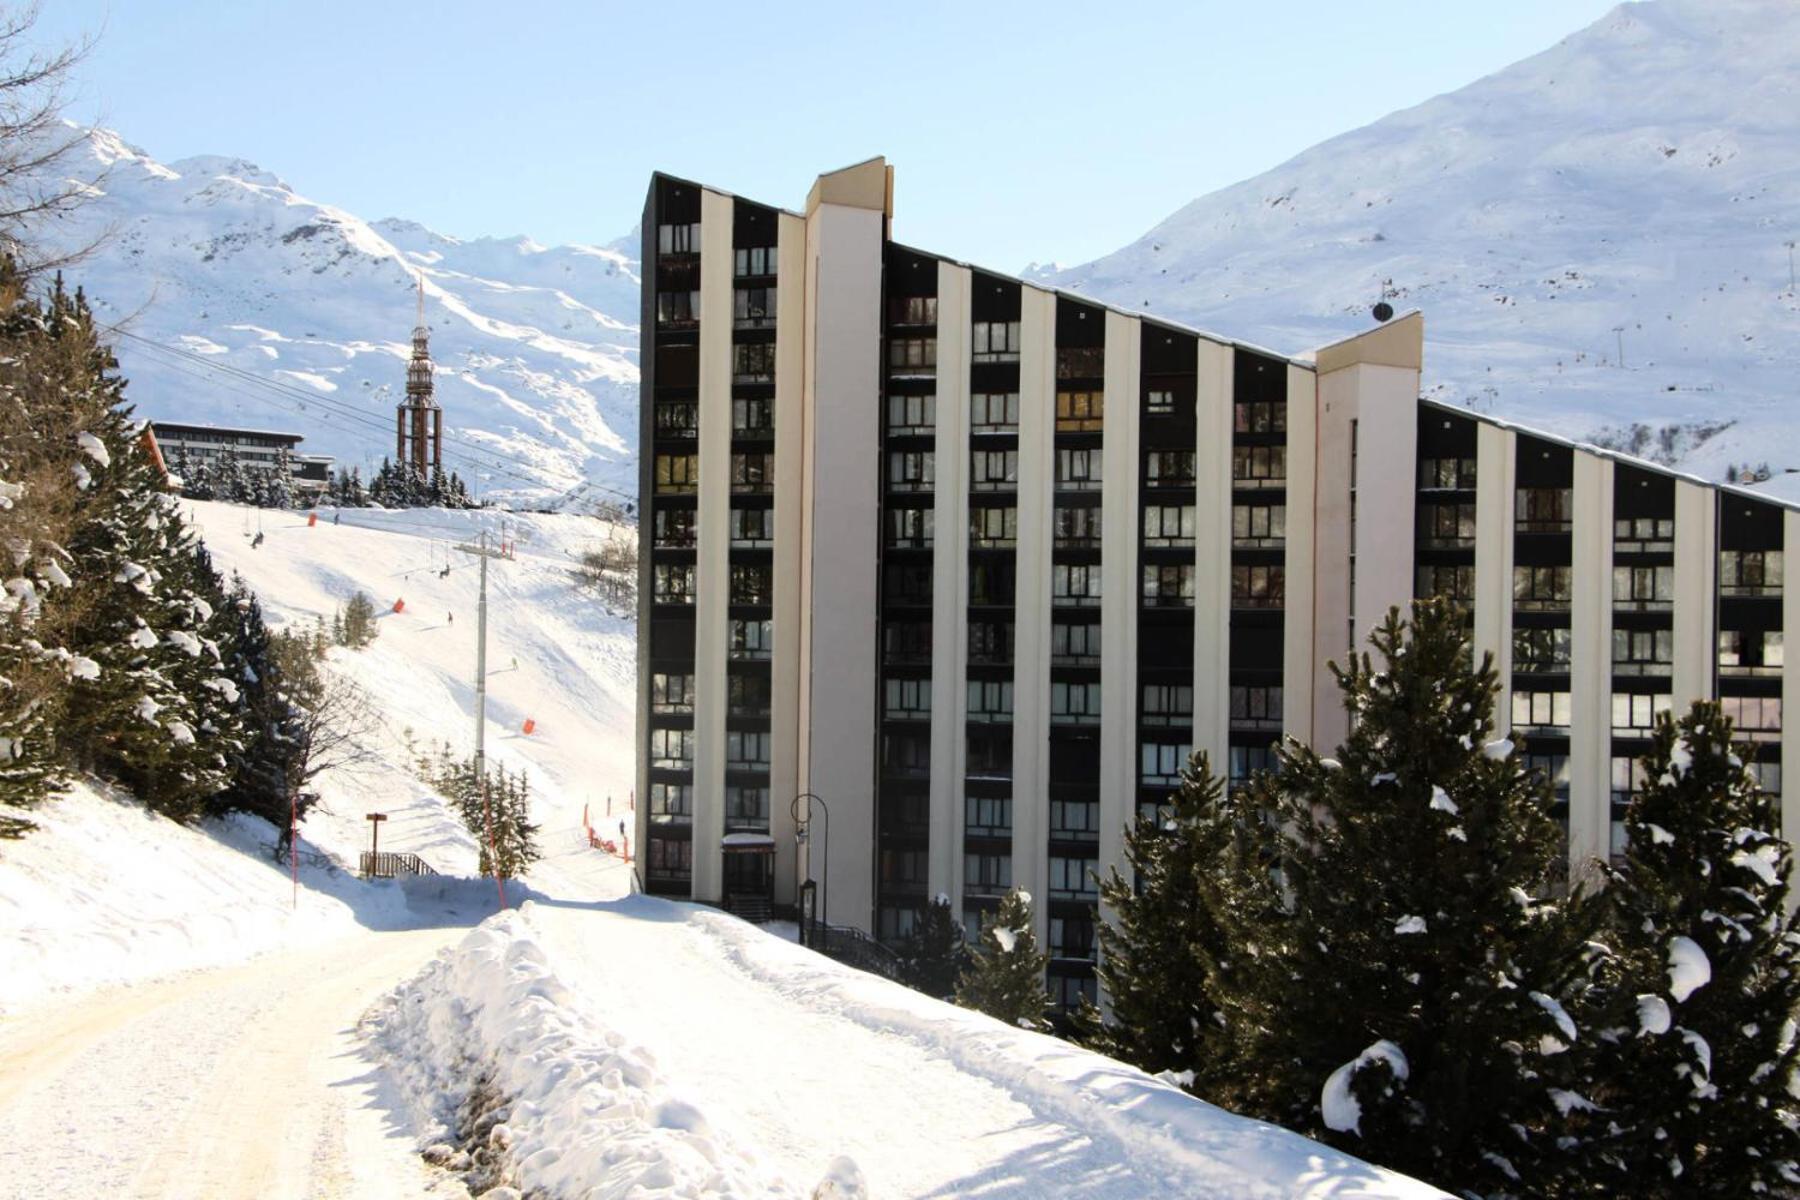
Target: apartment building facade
(978, 564)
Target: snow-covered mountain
(246, 280)
(1636, 184)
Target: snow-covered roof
(747, 841)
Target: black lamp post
(803, 833)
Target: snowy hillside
(245, 302)
(1641, 176)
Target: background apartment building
(979, 564)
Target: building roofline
(1619, 456)
(175, 426)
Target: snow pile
(588, 1114)
(1338, 1104)
(1689, 968)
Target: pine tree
(230, 482)
(1399, 991)
(1004, 977)
(357, 627)
(933, 955)
(1693, 1079)
(278, 486)
(1163, 939)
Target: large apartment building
(978, 564)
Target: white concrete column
(1301, 665)
(1590, 699)
(713, 573)
(784, 666)
(1496, 460)
(1696, 563)
(842, 528)
(950, 588)
(1120, 585)
(1212, 552)
(1790, 695)
(1031, 627)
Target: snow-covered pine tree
(515, 834)
(933, 955)
(1400, 989)
(358, 621)
(1163, 938)
(1004, 977)
(278, 487)
(230, 482)
(1694, 1074)
(266, 771)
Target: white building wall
(1496, 458)
(1590, 691)
(1696, 569)
(1212, 552)
(1301, 664)
(1031, 613)
(1119, 588)
(1790, 691)
(790, 438)
(950, 588)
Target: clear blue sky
(1019, 131)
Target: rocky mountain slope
(1634, 189)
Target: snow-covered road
(243, 1081)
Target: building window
(1255, 707)
(1541, 589)
(1071, 992)
(749, 640)
(1258, 466)
(678, 239)
(990, 583)
(1159, 403)
(912, 356)
(906, 642)
(994, 341)
(993, 470)
(987, 816)
(677, 308)
(1247, 762)
(1077, 470)
(1075, 820)
(994, 412)
(905, 754)
(1647, 589)
(752, 584)
(754, 260)
(746, 750)
(987, 874)
(1169, 585)
(911, 470)
(1072, 938)
(673, 583)
(910, 528)
(1540, 710)
(990, 754)
(1544, 510)
(753, 307)
(753, 362)
(1072, 878)
(990, 700)
(671, 802)
(992, 527)
(754, 418)
(1160, 763)
(1636, 713)
(913, 310)
(1080, 412)
(746, 808)
(1541, 651)
(903, 868)
(1643, 651)
(1259, 525)
(1169, 468)
(1628, 779)
(1454, 582)
(1169, 525)
(1167, 704)
(912, 414)
(1640, 534)
(1767, 776)
(670, 856)
(1258, 586)
(1446, 526)
(676, 528)
(1753, 715)
(752, 472)
(1750, 573)
(895, 923)
(1074, 584)
(671, 693)
(1076, 527)
(672, 749)
(990, 642)
(1446, 474)
(1750, 651)
(908, 700)
(747, 695)
(752, 526)
(1553, 769)
(1261, 416)
(1074, 645)
(1074, 703)
(1080, 362)
(677, 473)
